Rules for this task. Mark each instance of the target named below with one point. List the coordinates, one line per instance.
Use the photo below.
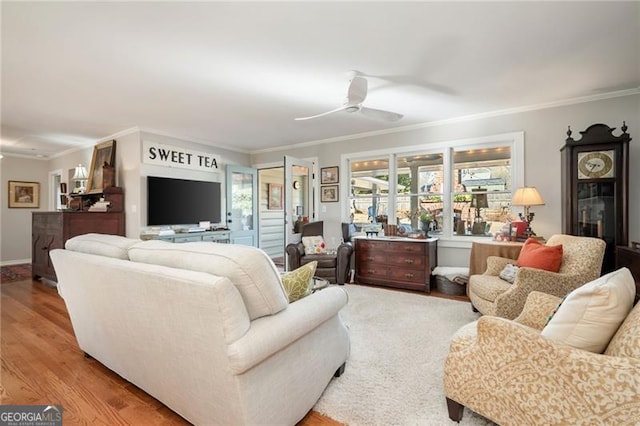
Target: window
(460, 189)
(369, 199)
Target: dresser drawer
(408, 260)
(414, 248)
(371, 246)
(410, 275)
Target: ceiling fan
(356, 94)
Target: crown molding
(195, 140)
(471, 117)
(97, 141)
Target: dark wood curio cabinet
(595, 186)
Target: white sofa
(205, 328)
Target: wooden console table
(481, 250)
(396, 261)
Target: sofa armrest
(268, 335)
(537, 309)
(343, 262)
(510, 303)
(511, 366)
(294, 251)
(495, 264)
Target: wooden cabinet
(629, 257)
(50, 230)
(396, 262)
(595, 182)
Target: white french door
(242, 205)
(298, 195)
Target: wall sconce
(527, 196)
(80, 176)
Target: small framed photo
(329, 175)
(329, 193)
(103, 154)
(274, 196)
(24, 195)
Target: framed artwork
(274, 196)
(329, 194)
(329, 175)
(104, 152)
(24, 195)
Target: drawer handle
(408, 275)
(372, 271)
(370, 258)
(407, 248)
(408, 261)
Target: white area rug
(394, 375)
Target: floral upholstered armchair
(581, 263)
(508, 372)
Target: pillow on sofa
(314, 245)
(509, 273)
(590, 315)
(249, 269)
(101, 245)
(540, 256)
(297, 283)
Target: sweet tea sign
(175, 156)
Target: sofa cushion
(626, 341)
(248, 268)
(323, 260)
(590, 315)
(314, 245)
(539, 256)
(488, 287)
(297, 283)
(101, 245)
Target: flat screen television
(180, 201)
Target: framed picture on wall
(274, 196)
(24, 195)
(329, 175)
(103, 154)
(329, 193)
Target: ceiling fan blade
(342, 108)
(380, 114)
(357, 91)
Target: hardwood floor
(42, 364)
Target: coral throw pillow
(314, 245)
(540, 256)
(297, 283)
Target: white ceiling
(237, 74)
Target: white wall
(16, 223)
(131, 176)
(545, 133)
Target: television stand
(188, 237)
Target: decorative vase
(426, 227)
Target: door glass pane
(596, 210)
(369, 191)
(241, 202)
(301, 210)
(420, 182)
(481, 198)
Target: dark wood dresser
(50, 230)
(629, 257)
(396, 262)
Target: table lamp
(527, 196)
(81, 175)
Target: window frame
(514, 140)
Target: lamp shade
(80, 172)
(527, 196)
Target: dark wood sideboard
(50, 230)
(396, 262)
(629, 257)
